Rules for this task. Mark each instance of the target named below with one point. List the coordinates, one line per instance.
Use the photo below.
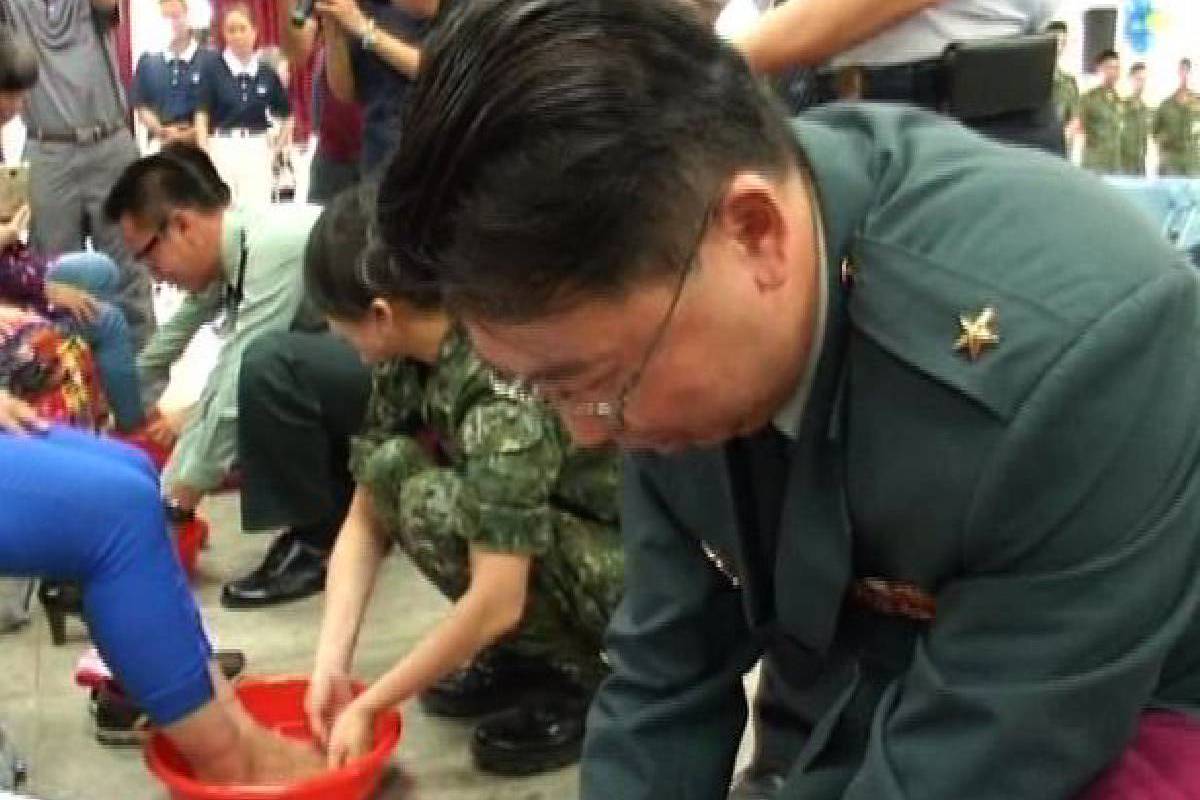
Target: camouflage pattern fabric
(1065, 96)
(1177, 129)
(503, 476)
(1136, 121)
(1101, 115)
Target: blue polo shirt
(170, 86)
(242, 100)
(381, 90)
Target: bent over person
(915, 413)
(491, 502)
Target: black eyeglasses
(151, 243)
(611, 412)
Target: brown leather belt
(89, 134)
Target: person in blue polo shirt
(166, 85)
(241, 99)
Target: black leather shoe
(756, 785)
(290, 571)
(494, 681)
(541, 734)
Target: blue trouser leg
(108, 334)
(76, 507)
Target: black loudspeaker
(1099, 34)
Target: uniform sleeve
(139, 90)
(206, 94)
(169, 341)
(281, 107)
(1081, 559)
(513, 457)
(208, 445)
(667, 722)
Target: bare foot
(275, 758)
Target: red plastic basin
(278, 703)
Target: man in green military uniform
(1177, 129)
(1136, 118)
(916, 414)
(1065, 89)
(1100, 112)
(491, 501)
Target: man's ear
(752, 217)
(380, 313)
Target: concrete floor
(47, 715)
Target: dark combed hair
(178, 176)
(343, 257)
(1057, 26)
(559, 149)
(1105, 55)
(18, 62)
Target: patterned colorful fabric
(52, 371)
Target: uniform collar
(188, 54)
(237, 67)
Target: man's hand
(82, 307)
(345, 13)
(184, 496)
(352, 735)
(18, 417)
(11, 231)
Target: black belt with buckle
(88, 134)
(919, 83)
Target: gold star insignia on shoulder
(978, 332)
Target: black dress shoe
(541, 734)
(291, 570)
(60, 599)
(756, 785)
(494, 681)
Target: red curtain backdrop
(300, 86)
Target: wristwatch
(367, 37)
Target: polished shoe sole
(521, 765)
(241, 603)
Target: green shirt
(1101, 115)
(1065, 95)
(518, 462)
(1177, 129)
(1043, 497)
(1136, 121)
(273, 295)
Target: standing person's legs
(100, 166)
(56, 199)
(301, 396)
(327, 178)
(108, 334)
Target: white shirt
(238, 68)
(927, 33)
(186, 56)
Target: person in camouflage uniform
(1065, 89)
(1101, 116)
(1136, 119)
(1177, 129)
(490, 500)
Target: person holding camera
(372, 54)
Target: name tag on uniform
(196, 77)
(261, 90)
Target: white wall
(1177, 36)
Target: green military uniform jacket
(1136, 122)
(1101, 115)
(1046, 497)
(1065, 95)
(1177, 129)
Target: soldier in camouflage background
(1177, 129)
(1101, 116)
(1136, 119)
(491, 502)
(1065, 90)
